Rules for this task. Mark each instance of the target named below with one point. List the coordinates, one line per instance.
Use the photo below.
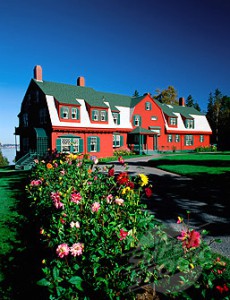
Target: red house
(76, 118)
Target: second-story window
(95, 115)
(116, 118)
(189, 123)
(43, 115)
(75, 113)
(137, 120)
(65, 112)
(173, 121)
(103, 115)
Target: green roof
(141, 130)
(185, 111)
(66, 93)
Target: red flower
(148, 192)
(222, 289)
(130, 184)
(194, 239)
(121, 160)
(123, 178)
(111, 172)
(123, 234)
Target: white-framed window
(93, 144)
(170, 138)
(74, 113)
(116, 118)
(189, 123)
(177, 138)
(65, 112)
(201, 138)
(154, 118)
(103, 114)
(75, 145)
(148, 106)
(188, 140)
(116, 140)
(95, 115)
(136, 121)
(65, 144)
(173, 121)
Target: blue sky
(119, 46)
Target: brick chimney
(38, 73)
(81, 81)
(181, 101)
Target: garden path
(174, 195)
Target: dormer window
(75, 113)
(173, 121)
(116, 118)
(189, 123)
(103, 115)
(95, 115)
(65, 112)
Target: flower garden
(98, 240)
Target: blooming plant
(100, 242)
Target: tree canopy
(168, 96)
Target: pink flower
(109, 198)
(62, 250)
(119, 201)
(180, 220)
(190, 238)
(62, 172)
(76, 197)
(56, 197)
(77, 249)
(95, 206)
(36, 182)
(123, 234)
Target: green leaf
(77, 281)
(43, 282)
(76, 267)
(218, 241)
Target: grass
(194, 164)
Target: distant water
(10, 154)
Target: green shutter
(150, 105)
(121, 140)
(88, 144)
(118, 118)
(62, 112)
(98, 144)
(94, 112)
(81, 145)
(78, 114)
(58, 145)
(106, 115)
(140, 120)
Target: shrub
(122, 151)
(98, 239)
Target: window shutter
(118, 118)
(88, 144)
(78, 113)
(58, 145)
(98, 144)
(94, 112)
(121, 140)
(140, 120)
(80, 145)
(62, 112)
(106, 116)
(150, 105)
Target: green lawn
(194, 163)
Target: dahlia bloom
(119, 201)
(62, 250)
(111, 172)
(77, 249)
(123, 178)
(76, 198)
(56, 197)
(123, 234)
(148, 192)
(109, 198)
(121, 160)
(36, 182)
(190, 238)
(95, 207)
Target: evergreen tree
(190, 103)
(136, 93)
